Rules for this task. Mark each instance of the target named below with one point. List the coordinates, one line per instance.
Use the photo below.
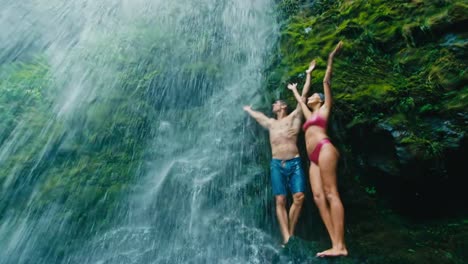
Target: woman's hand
(292, 87)
(311, 66)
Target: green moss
(450, 19)
(403, 66)
(457, 100)
(421, 148)
(399, 120)
(288, 8)
(85, 170)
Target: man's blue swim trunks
(287, 174)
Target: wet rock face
(413, 180)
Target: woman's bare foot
(311, 66)
(333, 252)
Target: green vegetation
(83, 163)
(94, 166)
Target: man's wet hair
(283, 102)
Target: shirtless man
(285, 167)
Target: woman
(324, 158)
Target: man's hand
(247, 108)
(292, 87)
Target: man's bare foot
(333, 252)
(286, 241)
(311, 66)
(337, 48)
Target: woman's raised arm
(327, 79)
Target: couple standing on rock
(286, 169)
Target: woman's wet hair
(322, 97)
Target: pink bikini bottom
(314, 156)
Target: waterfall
(126, 141)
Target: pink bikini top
(315, 120)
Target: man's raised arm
(262, 119)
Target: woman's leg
(328, 161)
(319, 197)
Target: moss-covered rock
(400, 88)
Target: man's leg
(282, 216)
(278, 182)
(297, 187)
(295, 210)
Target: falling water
(134, 147)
